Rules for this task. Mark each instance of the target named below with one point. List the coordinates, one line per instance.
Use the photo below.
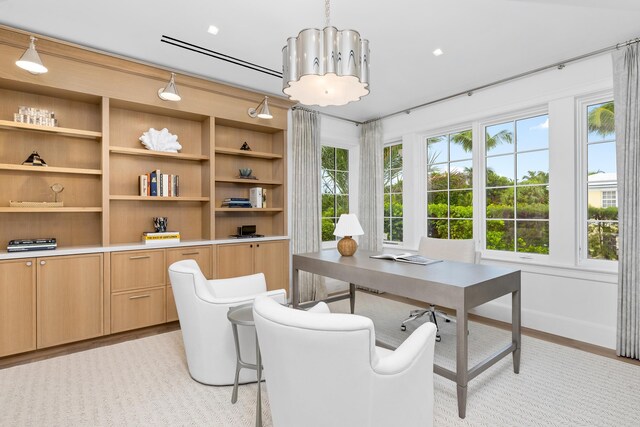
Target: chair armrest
(320, 307)
(278, 295)
(408, 352)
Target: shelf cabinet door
(137, 309)
(234, 260)
(202, 255)
(17, 306)
(272, 259)
(69, 299)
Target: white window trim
(401, 244)
(480, 178)
(354, 173)
(450, 130)
(581, 183)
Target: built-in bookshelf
(266, 159)
(72, 154)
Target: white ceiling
(483, 40)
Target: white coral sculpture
(160, 140)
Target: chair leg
(413, 315)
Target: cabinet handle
(29, 263)
(140, 296)
(140, 257)
(250, 246)
(258, 245)
(191, 253)
(43, 262)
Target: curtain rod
(559, 65)
(300, 107)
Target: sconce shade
(30, 60)
(261, 111)
(170, 92)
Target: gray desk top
(442, 283)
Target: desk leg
(462, 360)
(516, 334)
(352, 296)
(259, 396)
(295, 292)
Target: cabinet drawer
(201, 254)
(138, 309)
(137, 269)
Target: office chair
(445, 249)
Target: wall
(561, 294)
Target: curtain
(371, 186)
(626, 87)
(306, 221)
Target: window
(609, 199)
(335, 188)
(601, 179)
(450, 186)
(392, 156)
(517, 193)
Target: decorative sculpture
(160, 140)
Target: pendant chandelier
(326, 67)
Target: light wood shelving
(49, 169)
(159, 199)
(251, 182)
(247, 153)
(53, 210)
(76, 133)
(149, 153)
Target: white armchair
(324, 369)
(202, 310)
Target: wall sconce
(170, 92)
(30, 60)
(264, 112)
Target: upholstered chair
(202, 310)
(324, 369)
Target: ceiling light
(30, 59)
(264, 112)
(326, 67)
(170, 92)
(213, 29)
(438, 52)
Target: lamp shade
(348, 225)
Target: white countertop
(79, 250)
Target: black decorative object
(160, 223)
(245, 147)
(34, 160)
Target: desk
(456, 285)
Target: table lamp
(347, 226)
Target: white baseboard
(589, 332)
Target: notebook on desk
(407, 257)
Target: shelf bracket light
(30, 60)
(263, 112)
(170, 92)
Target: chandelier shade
(326, 67)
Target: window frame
(354, 172)
(448, 131)
(480, 177)
(582, 188)
(391, 243)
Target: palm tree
(601, 119)
(465, 139)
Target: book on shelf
(153, 184)
(159, 184)
(255, 197)
(20, 245)
(143, 185)
(236, 202)
(407, 257)
(158, 238)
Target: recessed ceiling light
(213, 29)
(438, 52)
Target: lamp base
(347, 246)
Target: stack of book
(160, 238)
(159, 184)
(236, 202)
(31, 245)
